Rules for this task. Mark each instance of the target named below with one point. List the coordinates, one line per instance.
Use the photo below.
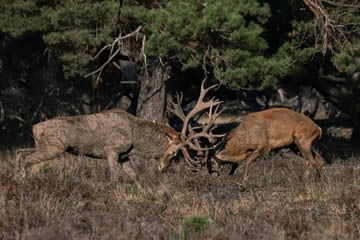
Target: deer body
(111, 133)
(260, 132)
(103, 135)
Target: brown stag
(260, 132)
(111, 133)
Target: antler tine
(211, 124)
(206, 132)
(198, 148)
(192, 140)
(203, 133)
(176, 107)
(200, 106)
(203, 90)
(188, 158)
(214, 116)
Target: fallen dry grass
(77, 201)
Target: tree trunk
(152, 94)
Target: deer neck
(160, 128)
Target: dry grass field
(77, 201)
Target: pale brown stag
(260, 132)
(113, 133)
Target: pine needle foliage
(228, 37)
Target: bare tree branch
(112, 54)
(144, 55)
(330, 28)
(341, 3)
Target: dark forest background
(80, 57)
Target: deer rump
(260, 132)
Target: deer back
(86, 134)
(284, 126)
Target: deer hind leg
(19, 163)
(39, 155)
(305, 149)
(319, 160)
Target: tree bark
(152, 94)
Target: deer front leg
(112, 155)
(255, 154)
(230, 158)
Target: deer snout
(162, 168)
(165, 163)
(165, 160)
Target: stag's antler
(192, 139)
(206, 130)
(199, 107)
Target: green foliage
(79, 30)
(73, 30)
(47, 169)
(133, 189)
(339, 42)
(346, 60)
(194, 225)
(18, 17)
(228, 36)
(67, 175)
(233, 39)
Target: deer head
(190, 138)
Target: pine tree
(227, 37)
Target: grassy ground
(66, 201)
